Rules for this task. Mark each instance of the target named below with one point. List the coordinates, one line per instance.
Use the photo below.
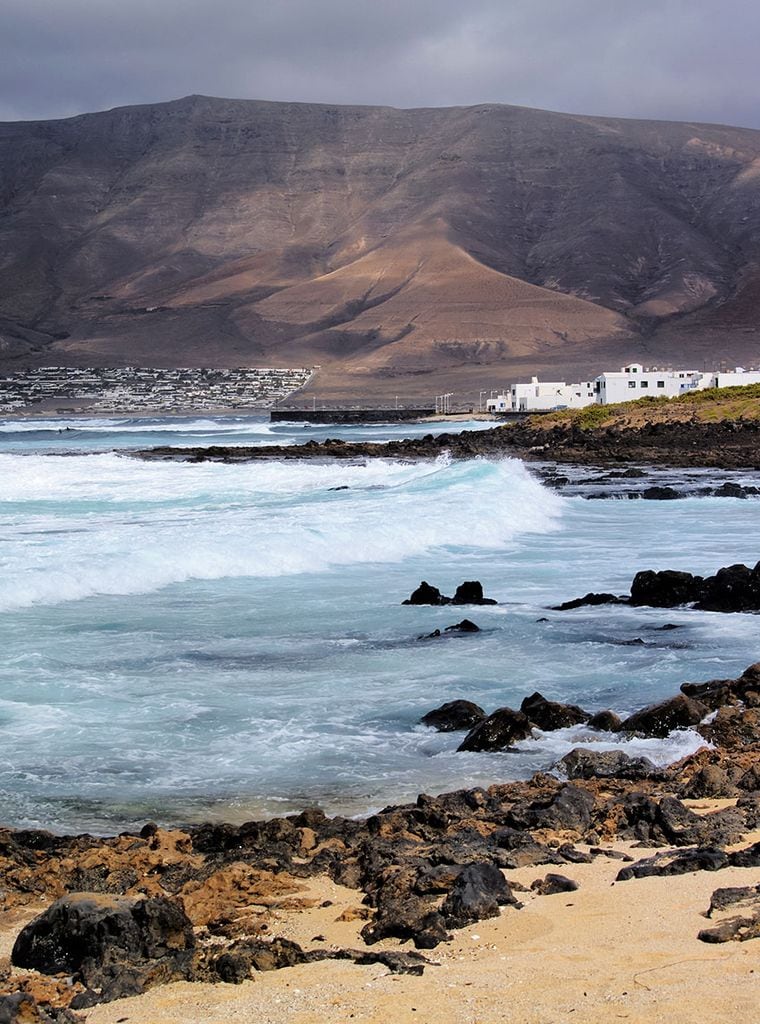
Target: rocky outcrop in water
(498, 731)
(469, 592)
(735, 588)
(453, 716)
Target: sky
(693, 60)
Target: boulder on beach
(117, 945)
(453, 716)
(478, 892)
(499, 731)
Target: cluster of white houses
(632, 381)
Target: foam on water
(278, 519)
(102, 425)
(181, 640)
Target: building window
(631, 383)
(660, 383)
(645, 383)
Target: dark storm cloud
(675, 59)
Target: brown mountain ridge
(401, 250)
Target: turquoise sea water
(182, 642)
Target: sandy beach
(608, 951)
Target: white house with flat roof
(541, 396)
(624, 385)
(735, 378)
(636, 381)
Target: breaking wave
(79, 527)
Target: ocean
(185, 642)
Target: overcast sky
(674, 59)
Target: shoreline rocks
(725, 444)
(140, 909)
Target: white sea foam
(126, 426)
(159, 523)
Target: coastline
(605, 876)
(719, 445)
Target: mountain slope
(448, 246)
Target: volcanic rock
(679, 712)
(733, 727)
(471, 592)
(118, 945)
(606, 721)
(477, 893)
(665, 589)
(499, 731)
(465, 626)
(549, 715)
(425, 594)
(737, 927)
(733, 589)
(569, 808)
(454, 715)
(681, 863)
(22, 1008)
(590, 600)
(607, 764)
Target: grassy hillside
(711, 406)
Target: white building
(541, 396)
(629, 383)
(735, 378)
(634, 381)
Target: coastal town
(130, 389)
(62, 389)
(630, 382)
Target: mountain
(403, 251)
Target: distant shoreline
(220, 411)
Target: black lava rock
(498, 731)
(679, 712)
(454, 715)
(117, 945)
(471, 592)
(425, 594)
(665, 589)
(477, 893)
(549, 714)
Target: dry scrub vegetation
(713, 405)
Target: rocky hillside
(401, 250)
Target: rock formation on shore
(197, 903)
